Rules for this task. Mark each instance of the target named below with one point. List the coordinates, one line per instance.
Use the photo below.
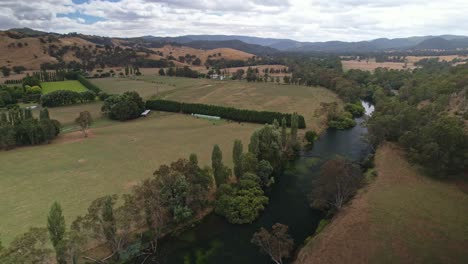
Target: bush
(357, 110)
(343, 121)
(87, 96)
(240, 115)
(88, 84)
(124, 107)
(60, 97)
(311, 136)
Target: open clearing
(117, 155)
(256, 96)
(75, 86)
(371, 65)
(75, 171)
(401, 217)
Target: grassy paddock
(75, 171)
(240, 94)
(76, 86)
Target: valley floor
(401, 217)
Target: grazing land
(76, 86)
(401, 217)
(256, 96)
(116, 156)
(371, 65)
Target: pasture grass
(75, 86)
(241, 94)
(75, 171)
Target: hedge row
(241, 115)
(66, 97)
(88, 84)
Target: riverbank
(401, 217)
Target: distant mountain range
(262, 46)
(444, 42)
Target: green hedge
(241, 115)
(88, 84)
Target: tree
(44, 114)
(311, 136)
(5, 71)
(162, 72)
(124, 107)
(294, 127)
(243, 202)
(221, 173)
(56, 224)
(237, 158)
(18, 69)
(278, 244)
(264, 171)
(284, 135)
(84, 120)
(338, 181)
(56, 227)
(30, 247)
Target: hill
(31, 49)
(401, 217)
(452, 42)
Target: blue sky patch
(77, 15)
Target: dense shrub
(311, 136)
(124, 107)
(60, 97)
(88, 84)
(241, 115)
(18, 128)
(357, 110)
(342, 121)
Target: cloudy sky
(312, 20)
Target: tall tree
(278, 244)
(284, 135)
(84, 120)
(337, 182)
(56, 224)
(237, 158)
(44, 114)
(294, 126)
(219, 170)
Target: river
(214, 240)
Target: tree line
(18, 127)
(240, 115)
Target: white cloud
(314, 20)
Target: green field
(74, 171)
(117, 155)
(257, 96)
(76, 86)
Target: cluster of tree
(5, 71)
(66, 97)
(270, 148)
(422, 119)
(240, 115)
(123, 107)
(147, 63)
(127, 226)
(180, 72)
(45, 76)
(277, 244)
(13, 81)
(337, 118)
(338, 181)
(18, 127)
(389, 58)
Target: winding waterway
(214, 240)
